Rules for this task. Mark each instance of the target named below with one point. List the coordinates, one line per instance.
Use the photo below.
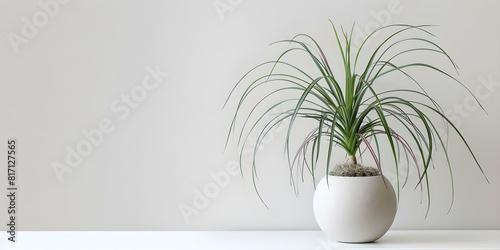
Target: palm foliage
(348, 110)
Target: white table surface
(255, 240)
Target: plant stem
(352, 160)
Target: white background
(65, 78)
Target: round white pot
(354, 209)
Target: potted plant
(349, 109)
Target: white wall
(72, 74)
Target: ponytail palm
(347, 109)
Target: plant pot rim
(355, 176)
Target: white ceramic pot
(354, 209)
